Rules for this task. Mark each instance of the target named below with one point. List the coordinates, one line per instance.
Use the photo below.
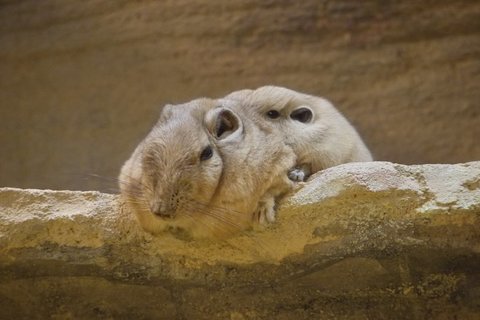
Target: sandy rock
(375, 240)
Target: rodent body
(206, 168)
(319, 134)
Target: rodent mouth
(164, 216)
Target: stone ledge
(358, 240)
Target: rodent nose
(160, 209)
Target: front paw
(265, 212)
(297, 175)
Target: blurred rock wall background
(81, 82)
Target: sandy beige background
(81, 82)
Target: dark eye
(206, 154)
(302, 114)
(273, 114)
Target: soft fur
(238, 184)
(327, 140)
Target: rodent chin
(189, 225)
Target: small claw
(266, 211)
(297, 175)
(270, 215)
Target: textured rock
(366, 240)
(81, 82)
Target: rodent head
(280, 105)
(292, 112)
(318, 133)
(175, 174)
(181, 162)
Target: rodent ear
(303, 114)
(223, 124)
(166, 111)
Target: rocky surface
(368, 240)
(82, 81)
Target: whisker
(140, 199)
(217, 213)
(238, 228)
(218, 218)
(140, 204)
(135, 186)
(212, 228)
(219, 209)
(253, 244)
(135, 182)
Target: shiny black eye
(302, 114)
(206, 154)
(273, 114)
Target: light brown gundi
(318, 133)
(206, 169)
